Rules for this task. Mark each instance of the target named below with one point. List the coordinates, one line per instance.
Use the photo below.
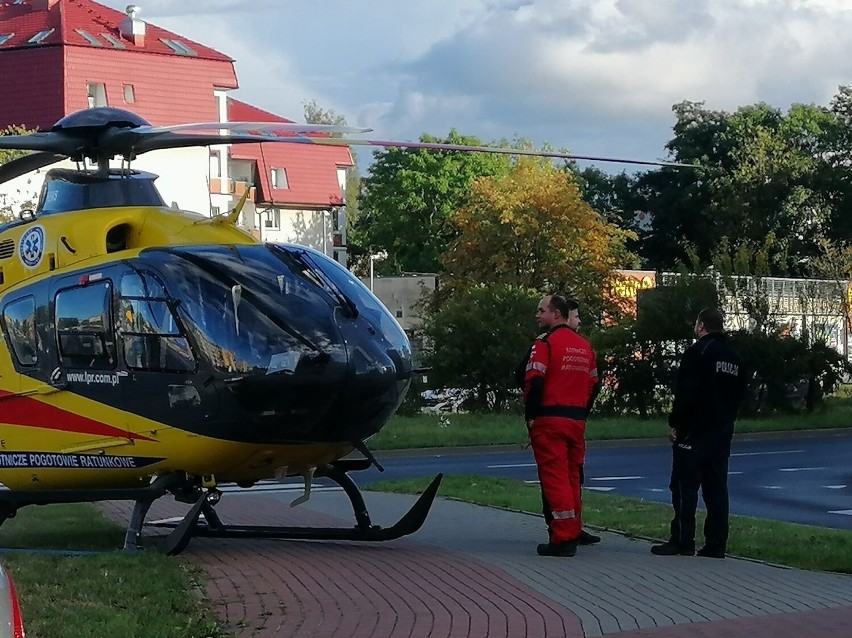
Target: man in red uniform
(559, 386)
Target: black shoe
(588, 539)
(711, 552)
(568, 548)
(670, 549)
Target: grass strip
(801, 546)
(105, 593)
(461, 429)
(471, 428)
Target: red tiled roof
(44, 82)
(67, 16)
(311, 169)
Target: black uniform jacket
(710, 387)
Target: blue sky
(596, 76)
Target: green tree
(531, 228)
(7, 202)
(409, 196)
(834, 267)
(477, 339)
(613, 196)
(763, 172)
(315, 114)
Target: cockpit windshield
(356, 293)
(65, 190)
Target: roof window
(178, 47)
(115, 42)
(41, 35)
(278, 178)
(5, 37)
(90, 38)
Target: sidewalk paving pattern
(472, 571)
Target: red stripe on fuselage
(30, 412)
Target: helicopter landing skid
(364, 530)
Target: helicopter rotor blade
(130, 142)
(145, 140)
(260, 128)
(26, 164)
(487, 149)
(105, 132)
(50, 141)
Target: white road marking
(834, 487)
(498, 467)
(616, 478)
(767, 453)
(657, 489)
(733, 473)
(599, 489)
(771, 487)
(844, 512)
(532, 482)
(800, 469)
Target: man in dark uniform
(710, 388)
(560, 379)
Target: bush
(476, 339)
(636, 374)
(786, 374)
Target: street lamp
(373, 259)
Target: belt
(566, 411)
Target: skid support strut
(364, 530)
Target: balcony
(234, 187)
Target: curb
(600, 443)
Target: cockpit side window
(152, 338)
(84, 326)
(20, 324)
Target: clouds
(598, 76)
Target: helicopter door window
(19, 320)
(84, 327)
(151, 337)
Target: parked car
(444, 399)
(11, 622)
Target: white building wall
(307, 227)
(183, 180)
(184, 175)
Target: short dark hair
(712, 319)
(563, 304)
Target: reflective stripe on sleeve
(535, 365)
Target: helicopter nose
(378, 375)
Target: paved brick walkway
(472, 571)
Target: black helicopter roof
(67, 190)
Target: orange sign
(625, 286)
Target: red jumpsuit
(560, 379)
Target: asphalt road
(797, 478)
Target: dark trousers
(700, 461)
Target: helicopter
(148, 351)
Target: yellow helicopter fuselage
(55, 431)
